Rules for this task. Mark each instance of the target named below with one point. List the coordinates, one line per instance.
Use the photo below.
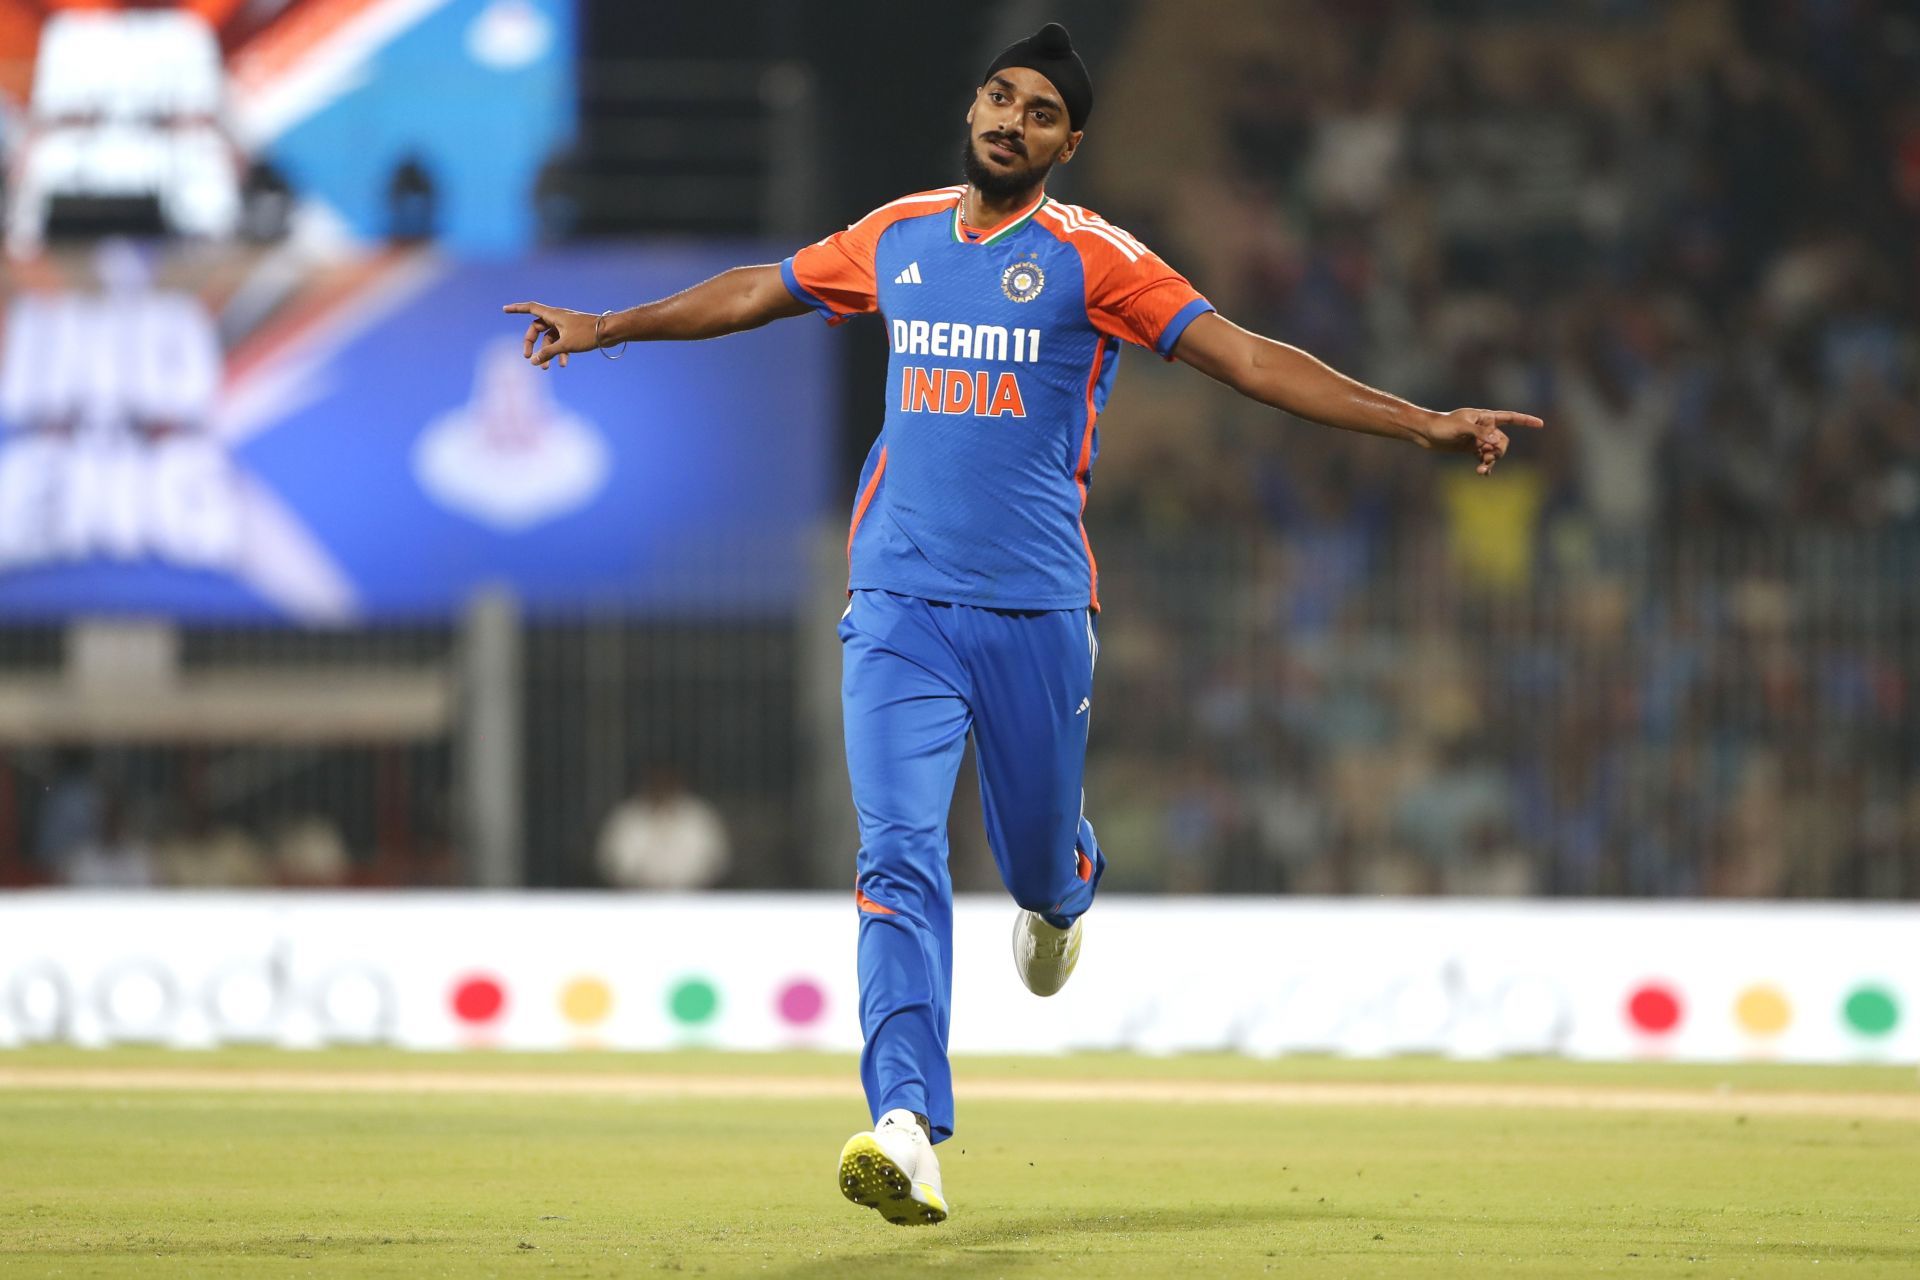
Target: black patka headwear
(1050, 52)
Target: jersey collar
(1005, 229)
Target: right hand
(1476, 431)
(566, 331)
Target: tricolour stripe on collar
(1006, 228)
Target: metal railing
(1700, 715)
(1720, 715)
(595, 705)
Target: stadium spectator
(119, 856)
(309, 854)
(204, 856)
(664, 837)
(70, 816)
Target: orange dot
(585, 1001)
(1763, 1011)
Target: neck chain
(963, 210)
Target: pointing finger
(1508, 418)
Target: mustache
(1002, 140)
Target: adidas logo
(910, 276)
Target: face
(1017, 130)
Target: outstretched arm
(1290, 379)
(743, 298)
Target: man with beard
(972, 587)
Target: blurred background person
(662, 836)
(119, 854)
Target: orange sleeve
(834, 276)
(1131, 293)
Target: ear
(1073, 145)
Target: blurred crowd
(1669, 648)
(124, 818)
(97, 834)
(1666, 649)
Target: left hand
(1476, 431)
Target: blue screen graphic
(376, 447)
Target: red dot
(478, 999)
(1654, 1009)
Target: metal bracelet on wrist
(597, 322)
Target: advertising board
(1470, 979)
(234, 437)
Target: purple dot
(802, 1001)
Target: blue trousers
(917, 677)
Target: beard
(999, 184)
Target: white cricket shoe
(892, 1168)
(1044, 955)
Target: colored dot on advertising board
(478, 999)
(586, 1001)
(1872, 1011)
(694, 1000)
(802, 1001)
(1762, 1010)
(1654, 1009)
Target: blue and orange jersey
(1004, 346)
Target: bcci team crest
(1023, 281)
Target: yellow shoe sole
(868, 1177)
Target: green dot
(1871, 1011)
(694, 1000)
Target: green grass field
(235, 1173)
